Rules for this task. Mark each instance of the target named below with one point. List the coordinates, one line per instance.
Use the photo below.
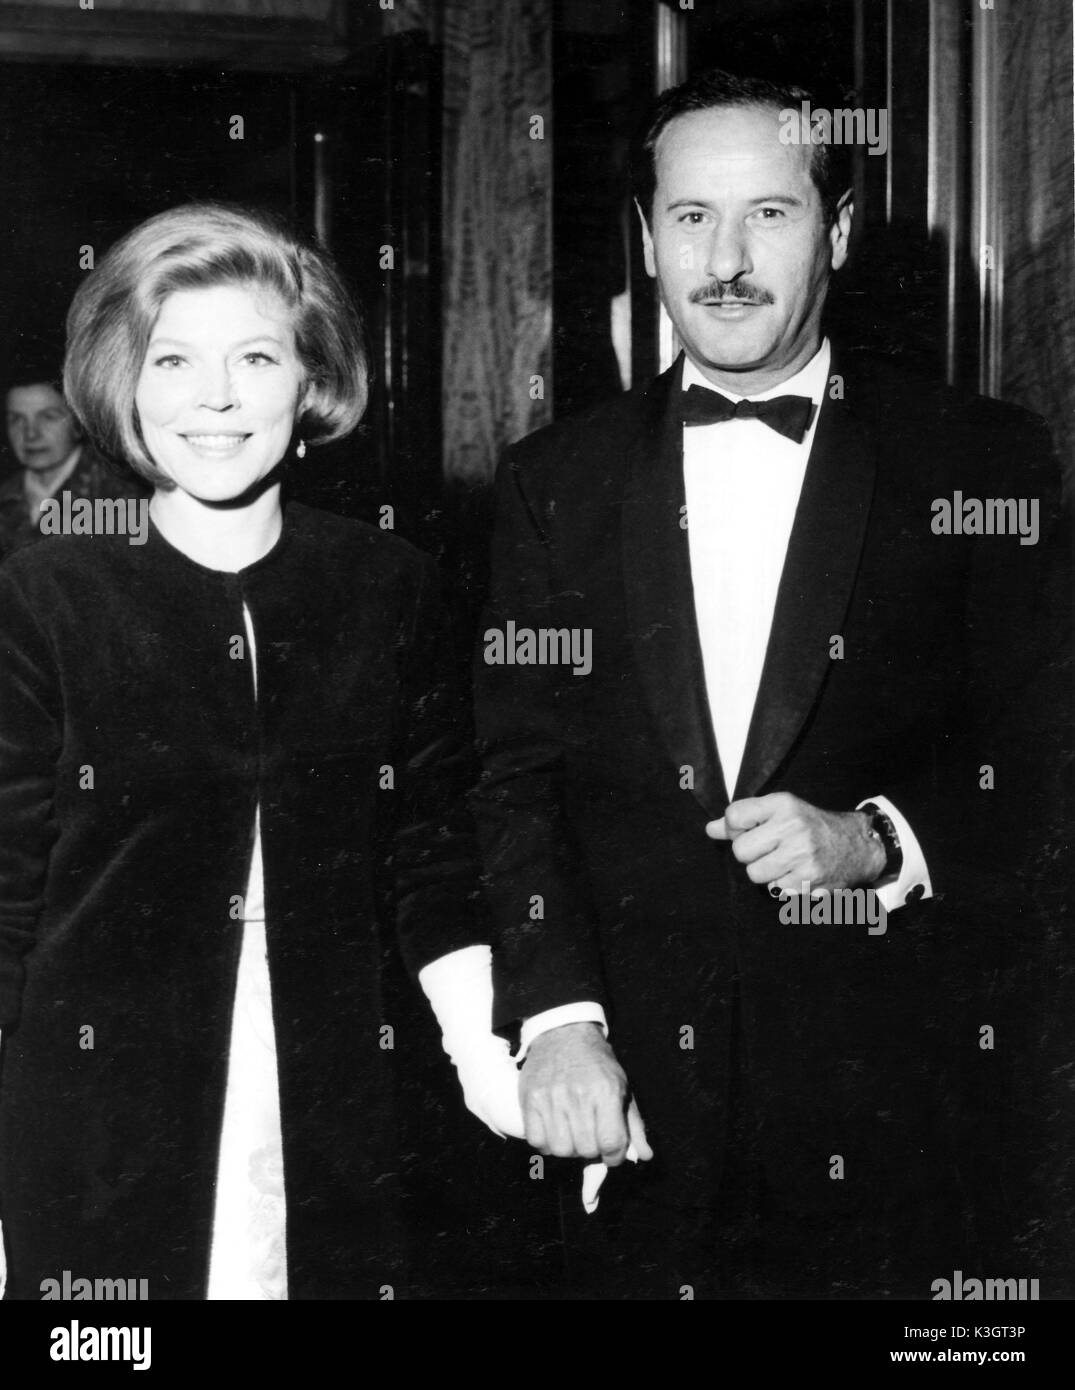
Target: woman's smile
(216, 446)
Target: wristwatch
(884, 832)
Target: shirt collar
(810, 380)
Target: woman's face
(219, 389)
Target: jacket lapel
(815, 587)
(660, 599)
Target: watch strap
(883, 830)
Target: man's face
(739, 245)
(40, 428)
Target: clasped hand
(784, 841)
(575, 1098)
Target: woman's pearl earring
(300, 452)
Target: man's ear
(840, 231)
(647, 243)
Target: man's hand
(785, 842)
(575, 1097)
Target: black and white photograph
(536, 683)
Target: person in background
(53, 456)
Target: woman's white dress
(248, 1258)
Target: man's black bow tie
(790, 416)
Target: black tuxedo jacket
(597, 787)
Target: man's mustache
(741, 293)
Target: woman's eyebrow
(179, 342)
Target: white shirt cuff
(459, 986)
(914, 881)
(454, 983)
(585, 1012)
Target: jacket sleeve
(30, 738)
(545, 946)
(439, 906)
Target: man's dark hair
(33, 373)
(830, 166)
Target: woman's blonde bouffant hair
(199, 246)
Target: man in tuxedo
(767, 866)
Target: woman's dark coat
(132, 755)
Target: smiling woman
(222, 755)
(221, 385)
(140, 296)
